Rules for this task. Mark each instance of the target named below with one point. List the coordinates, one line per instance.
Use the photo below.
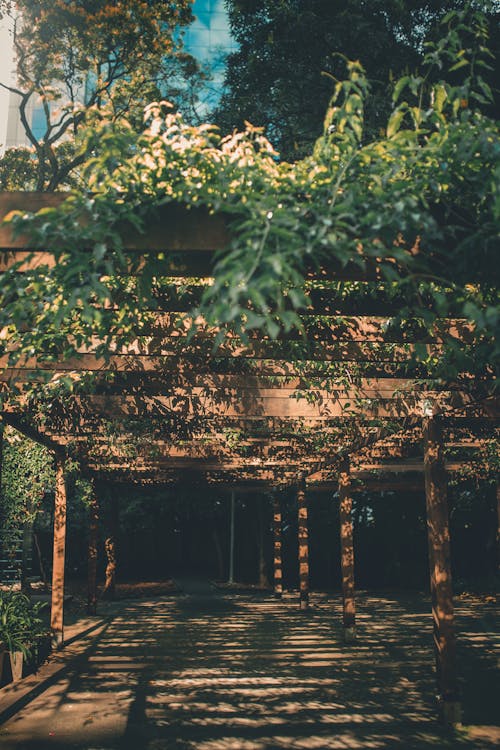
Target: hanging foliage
(417, 208)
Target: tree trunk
(440, 570)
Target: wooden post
(262, 526)
(2, 508)
(303, 534)
(498, 525)
(110, 548)
(92, 554)
(440, 570)
(278, 564)
(231, 539)
(57, 608)
(2, 505)
(347, 553)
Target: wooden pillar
(498, 525)
(92, 554)
(278, 563)
(110, 548)
(303, 545)
(262, 528)
(1, 466)
(2, 507)
(347, 552)
(440, 570)
(231, 538)
(57, 608)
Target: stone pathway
(218, 672)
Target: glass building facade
(210, 41)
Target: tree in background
(27, 481)
(290, 50)
(78, 58)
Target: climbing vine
(417, 209)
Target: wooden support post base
(304, 604)
(349, 635)
(57, 639)
(451, 712)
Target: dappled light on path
(221, 673)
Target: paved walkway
(219, 672)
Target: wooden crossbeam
(264, 403)
(192, 235)
(156, 335)
(171, 227)
(270, 356)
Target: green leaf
(395, 121)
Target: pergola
(343, 415)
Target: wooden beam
(440, 570)
(17, 421)
(277, 539)
(171, 228)
(57, 603)
(347, 552)
(303, 538)
(270, 356)
(271, 403)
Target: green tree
(76, 57)
(27, 479)
(291, 52)
(17, 170)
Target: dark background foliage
(290, 50)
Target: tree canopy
(75, 59)
(292, 51)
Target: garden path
(251, 673)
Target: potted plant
(21, 628)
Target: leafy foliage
(418, 206)
(27, 476)
(290, 51)
(20, 623)
(17, 170)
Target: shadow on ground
(215, 672)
